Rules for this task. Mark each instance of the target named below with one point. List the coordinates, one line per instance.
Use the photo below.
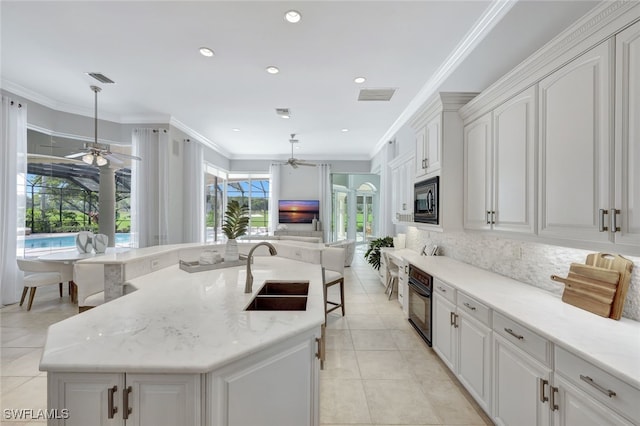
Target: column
(107, 204)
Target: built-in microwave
(425, 206)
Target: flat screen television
(298, 211)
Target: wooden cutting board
(590, 288)
(624, 267)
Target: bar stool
(392, 274)
(332, 274)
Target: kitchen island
(182, 349)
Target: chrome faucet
(272, 251)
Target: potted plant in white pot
(236, 222)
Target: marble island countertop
(611, 345)
(180, 322)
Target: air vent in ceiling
(100, 77)
(376, 94)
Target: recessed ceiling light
(235, 129)
(345, 130)
(359, 80)
(205, 51)
(292, 16)
(272, 70)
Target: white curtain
(13, 162)
(150, 187)
(274, 195)
(324, 191)
(194, 226)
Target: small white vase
(84, 241)
(231, 251)
(100, 243)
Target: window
(214, 196)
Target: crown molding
(199, 137)
(601, 23)
(438, 103)
(491, 16)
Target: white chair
(38, 274)
(332, 274)
(89, 279)
(350, 249)
(392, 273)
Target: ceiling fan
(99, 154)
(295, 162)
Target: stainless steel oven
(420, 286)
(425, 206)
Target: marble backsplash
(530, 263)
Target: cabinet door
(628, 135)
(514, 163)
(170, 399)
(396, 195)
(421, 152)
(474, 358)
(516, 387)
(575, 104)
(577, 408)
(444, 342)
(477, 173)
(433, 145)
(86, 397)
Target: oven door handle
(417, 290)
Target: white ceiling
(150, 49)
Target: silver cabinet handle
(473, 308)
(601, 227)
(111, 409)
(542, 383)
(602, 389)
(614, 220)
(442, 289)
(126, 410)
(552, 404)
(493, 216)
(517, 336)
(452, 320)
(487, 217)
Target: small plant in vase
(236, 222)
(373, 252)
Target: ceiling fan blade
(125, 156)
(77, 154)
(112, 158)
(306, 164)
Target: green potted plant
(373, 252)
(236, 223)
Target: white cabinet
(575, 149)
(462, 339)
(627, 138)
(125, 399)
(403, 282)
(500, 167)
(402, 189)
(429, 146)
(520, 386)
(277, 386)
(477, 176)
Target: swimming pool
(67, 240)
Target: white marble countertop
(180, 322)
(611, 345)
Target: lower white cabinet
(520, 386)
(462, 339)
(124, 399)
(277, 386)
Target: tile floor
(377, 370)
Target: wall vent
(100, 77)
(376, 94)
(283, 112)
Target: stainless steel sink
(278, 303)
(289, 288)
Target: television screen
(298, 211)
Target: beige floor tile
(337, 321)
(338, 340)
(425, 365)
(398, 402)
(9, 354)
(343, 401)
(32, 423)
(28, 339)
(408, 340)
(365, 322)
(26, 365)
(395, 321)
(340, 365)
(352, 298)
(450, 403)
(359, 308)
(29, 395)
(373, 340)
(8, 384)
(383, 365)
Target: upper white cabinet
(428, 146)
(500, 167)
(627, 140)
(575, 148)
(402, 188)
